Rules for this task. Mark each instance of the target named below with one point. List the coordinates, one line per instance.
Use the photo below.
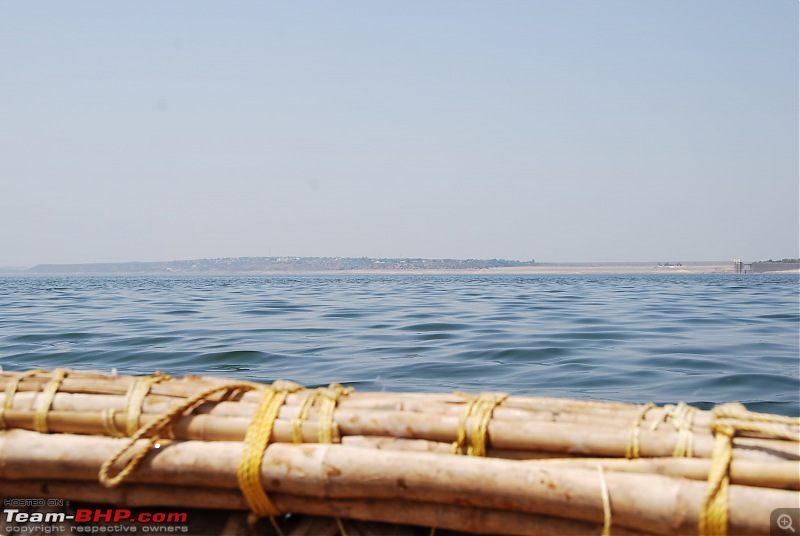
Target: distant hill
(274, 264)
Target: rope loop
(255, 445)
(329, 399)
(302, 416)
(714, 512)
(134, 399)
(480, 408)
(461, 431)
(770, 426)
(11, 390)
(730, 419)
(48, 394)
(682, 418)
(735, 410)
(632, 450)
(154, 430)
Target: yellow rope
(109, 424)
(329, 398)
(11, 390)
(134, 399)
(632, 450)
(771, 426)
(735, 410)
(461, 431)
(483, 412)
(302, 415)
(682, 418)
(606, 502)
(46, 400)
(729, 419)
(480, 408)
(341, 527)
(153, 430)
(255, 444)
(714, 514)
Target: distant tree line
(782, 260)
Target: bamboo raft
(485, 464)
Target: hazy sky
(554, 130)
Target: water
(703, 339)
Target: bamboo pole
(639, 502)
(607, 422)
(778, 475)
(586, 413)
(64, 401)
(423, 445)
(514, 407)
(92, 383)
(655, 503)
(444, 516)
(504, 435)
(82, 382)
(195, 427)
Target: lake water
(703, 339)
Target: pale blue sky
(556, 130)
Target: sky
(560, 131)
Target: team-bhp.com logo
(90, 520)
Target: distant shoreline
(582, 268)
(553, 269)
(223, 267)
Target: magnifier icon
(785, 522)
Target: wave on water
(703, 339)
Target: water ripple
(701, 339)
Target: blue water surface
(702, 339)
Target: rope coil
(632, 450)
(682, 418)
(302, 416)
(48, 394)
(11, 390)
(329, 399)
(134, 399)
(480, 408)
